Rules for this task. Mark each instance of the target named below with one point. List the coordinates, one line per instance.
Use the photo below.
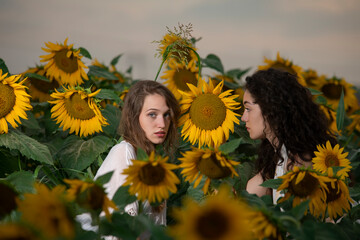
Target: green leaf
(37, 76)
(101, 72)
(22, 181)
(122, 197)
(3, 67)
(230, 146)
(115, 60)
(104, 178)
(141, 154)
(214, 62)
(27, 146)
(237, 73)
(314, 91)
(112, 115)
(108, 94)
(78, 154)
(321, 100)
(272, 183)
(299, 210)
(31, 122)
(85, 53)
(340, 112)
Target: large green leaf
(31, 122)
(22, 181)
(78, 154)
(27, 146)
(214, 62)
(85, 52)
(230, 146)
(340, 112)
(3, 67)
(101, 72)
(272, 183)
(112, 115)
(108, 94)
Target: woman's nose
(161, 122)
(244, 117)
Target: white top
(117, 160)
(279, 171)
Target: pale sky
(320, 34)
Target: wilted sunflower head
(311, 78)
(208, 114)
(78, 111)
(219, 217)
(14, 101)
(328, 156)
(207, 163)
(179, 75)
(305, 184)
(151, 179)
(332, 88)
(284, 65)
(48, 212)
(263, 225)
(64, 63)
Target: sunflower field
(59, 120)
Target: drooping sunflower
(179, 75)
(13, 231)
(208, 114)
(337, 197)
(152, 179)
(284, 65)
(39, 89)
(327, 157)
(355, 123)
(331, 89)
(179, 48)
(207, 163)
(48, 211)
(14, 101)
(219, 217)
(305, 184)
(263, 226)
(89, 195)
(64, 63)
(77, 111)
(331, 116)
(311, 78)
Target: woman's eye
(152, 115)
(247, 109)
(166, 115)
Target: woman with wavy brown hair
(281, 112)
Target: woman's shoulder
(123, 145)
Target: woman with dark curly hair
(281, 112)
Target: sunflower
(152, 179)
(327, 157)
(47, 211)
(179, 75)
(305, 184)
(64, 63)
(337, 197)
(284, 65)
(77, 111)
(7, 200)
(90, 196)
(14, 101)
(13, 231)
(219, 217)
(331, 89)
(311, 78)
(331, 116)
(39, 89)
(264, 226)
(207, 163)
(355, 123)
(207, 114)
(179, 48)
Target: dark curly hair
(295, 119)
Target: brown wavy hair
(295, 119)
(130, 127)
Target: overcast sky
(319, 34)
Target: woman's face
(155, 118)
(253, 118)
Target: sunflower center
(212, 168)
(91, 198)
(212, 225)
(333, 193)
(7, 201)
(68, 65)
(331, 160)
(7, 99)
(78, 108)
(152, 175)
(181, 53)
(281, 66)
(182, 77)
(44, 86)
(305, 187)
(207, 111)
(332, 91)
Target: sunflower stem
(158, 72)
(199, 60)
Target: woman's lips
(160, 134)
